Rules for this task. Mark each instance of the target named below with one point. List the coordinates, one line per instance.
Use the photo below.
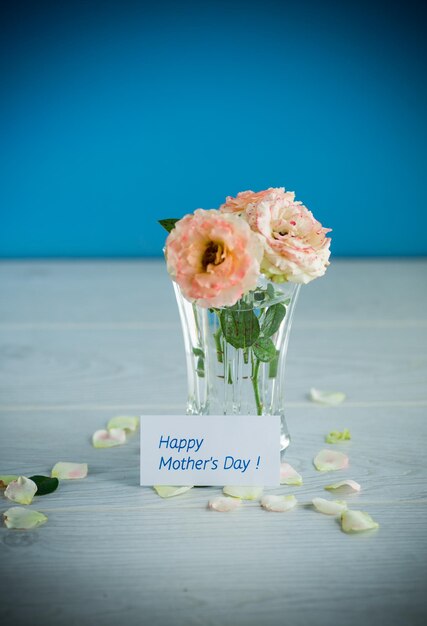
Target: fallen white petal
(357, 521)
(289, 476)
(69, 471)
(168, 492)
(351, 485)
(21, 490)
(329, 460)
(329, 398)
(124, 422)
(18, 517)
(109, 438)
(224, 504)
(280, 504)
(6, 479)
(244, 493)
(329, 507)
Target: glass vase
(236, 355)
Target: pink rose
(243, 199)
(213, 257)
(295, 246)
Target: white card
(210, 450)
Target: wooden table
(82, 341)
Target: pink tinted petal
(289, 476)
(243, 492)
(357, 521)
(329, 460)
(350, 485)
(69, 471)
(109, 438)
(224, 505)
(21, 490)
(23, 519)
(279, 504)
(329, 507)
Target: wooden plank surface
(83, 341)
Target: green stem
(255, 384)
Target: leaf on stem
(273, 319)
(264, 350)
(240, 328)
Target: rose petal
(168, 492)
(129, 424)
(109, 438)
(329, 398)
(329, 460)
(69, 471)
(21, 490)
(18, 517)
(351, 485)
(6, 479)
(329, 507)
(289, 476)
(357, 521)
(335, 436)
(244, 493)
(279, 504)
(224, 504)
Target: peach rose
(213, 257)
(295, 246)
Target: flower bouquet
(237, 272)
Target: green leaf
(198, 352)
(264, 350)
(240, 328)
(273, 319)
(200, 367)
(45, 484)
(272, 368)
(169, 224)
(270, 291)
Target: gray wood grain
(83, 341)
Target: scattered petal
(45, 484)
(349, 485)
(329, 507)
(168, 492)
(289, 476)
(335, 436)
(21, 490)
(279, 504)
(124, 422)
(224, 504)
(329, 398)
(329, 460)
(357, 521)
(18, 517)
(244, 493)
(6, 479)
(69, 471)
(109, 438)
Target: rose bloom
(296, 248)
(213, 257)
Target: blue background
(113, 115)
